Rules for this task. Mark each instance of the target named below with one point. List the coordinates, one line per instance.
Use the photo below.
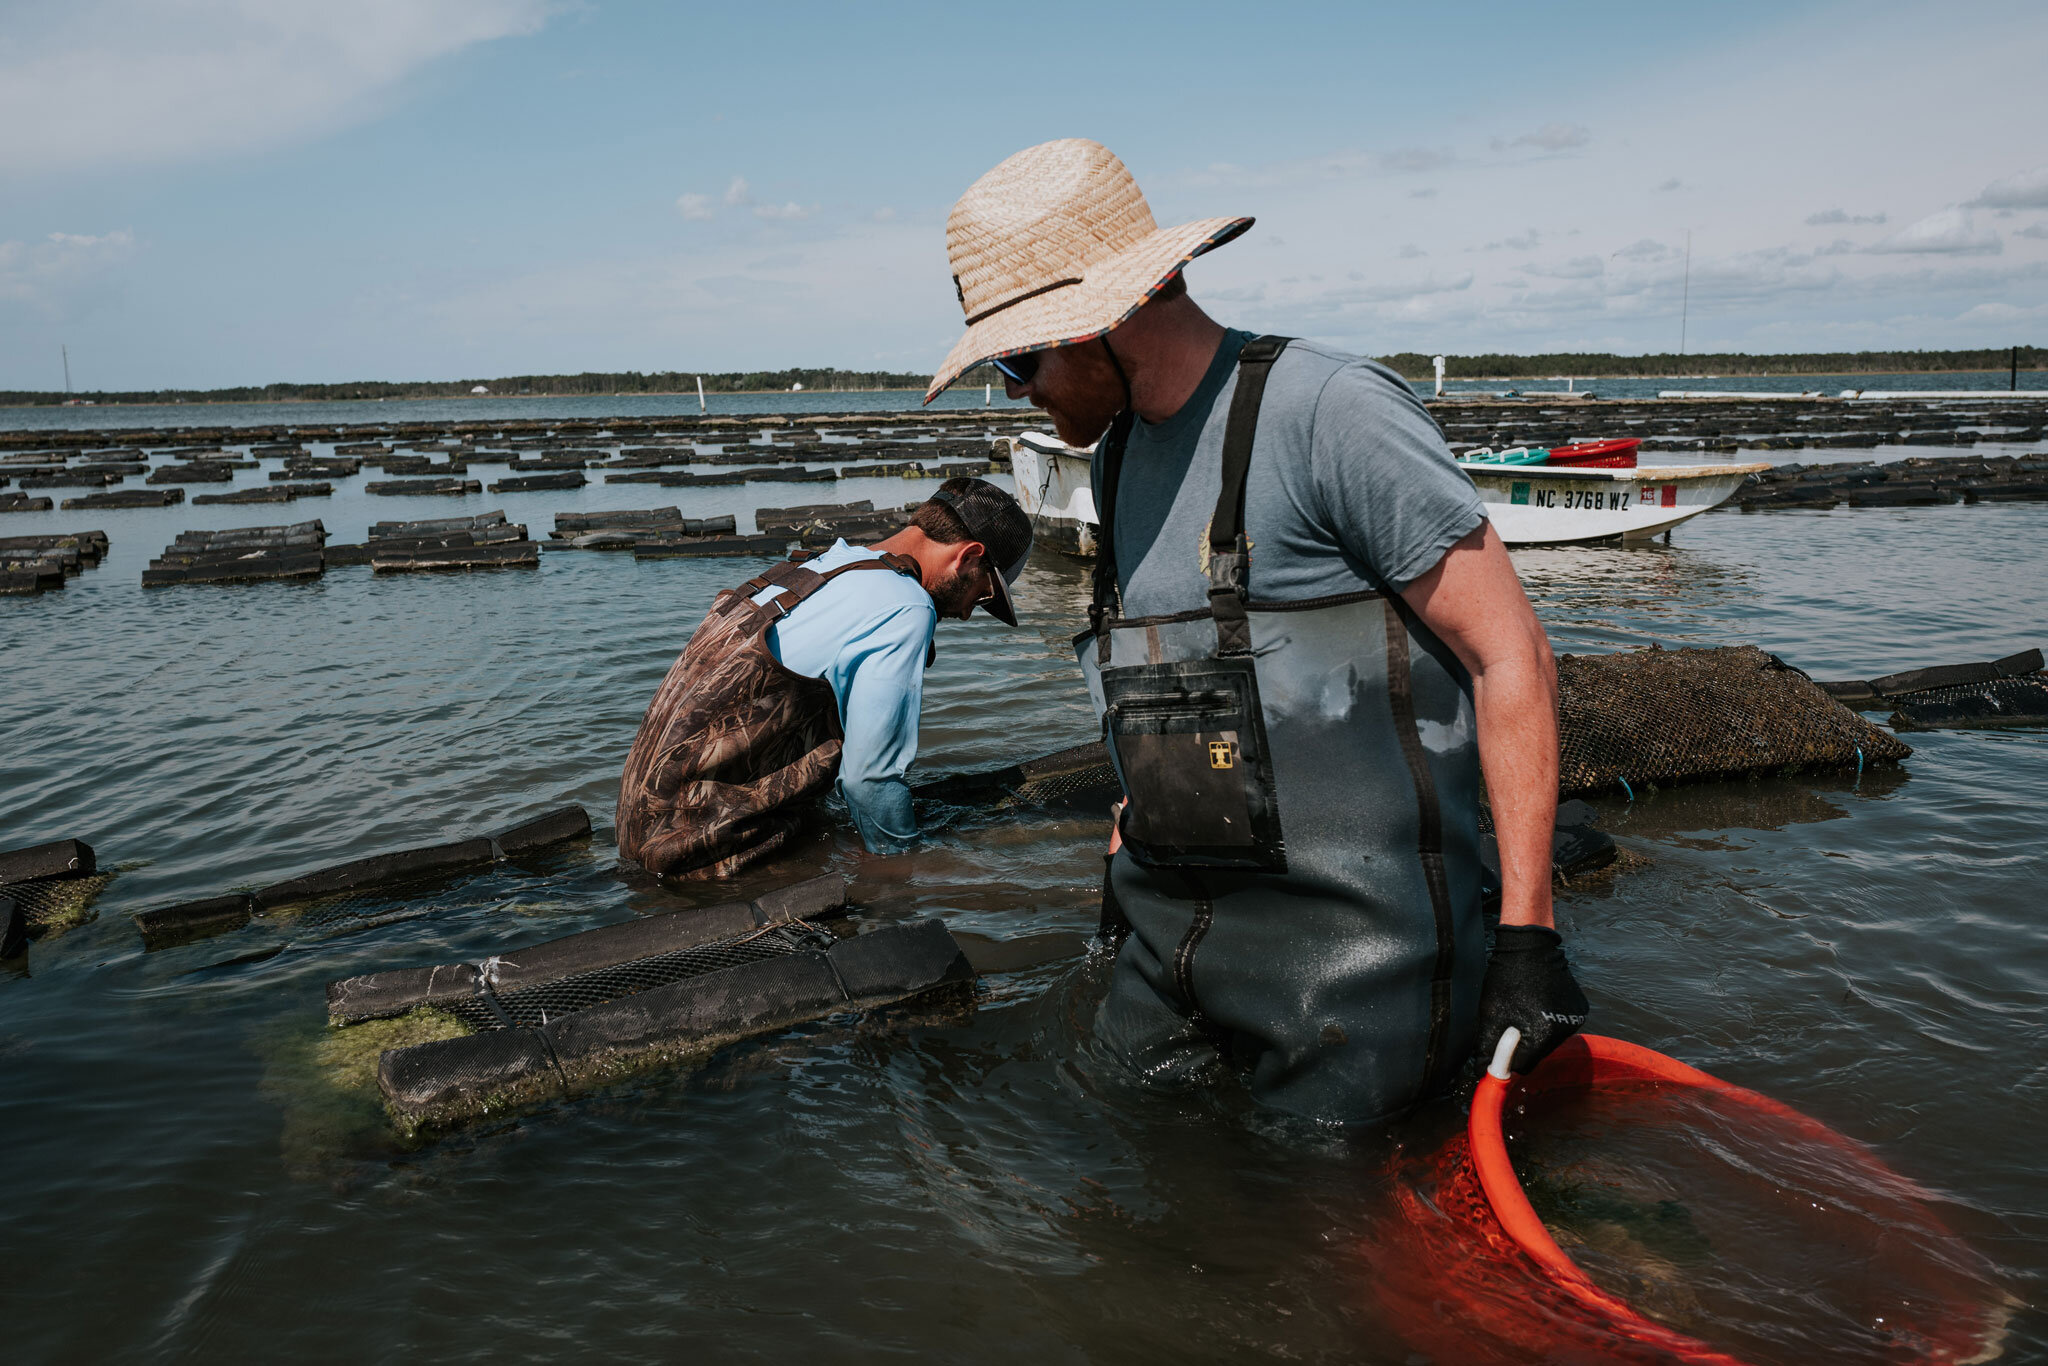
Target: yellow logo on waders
(1219, 754)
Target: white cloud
(52, 275)
(1645, 249)
(2038, 230)
(1413, 159)
(737, 194)
(884, 214)
(1555, 137)
(117, 82)
(1951, 231)
(1827, 217)
(1410, 251)
(696, 208)
(785, 212)
(1578, 268)
(2027, 190)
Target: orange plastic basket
(1963, 1330)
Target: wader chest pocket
(1189, 745)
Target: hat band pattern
(1027, 294)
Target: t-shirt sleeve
(1388, 486)
(879, 680)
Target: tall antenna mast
(1685, 301)
(67, 368)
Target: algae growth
(325, 1077)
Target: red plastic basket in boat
(1472, 1274)
(1611, 455)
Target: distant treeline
(590, 382)
(1599, 365)
(1413, 365)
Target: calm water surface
(186, 1184)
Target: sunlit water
(184, 1184)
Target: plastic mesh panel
(534, 1006)
(2019, 701)
(383, 904)
(1665, 715)
(56, 902)
(1082, 782)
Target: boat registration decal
(1670, 498)
(1518, 494)
(1598, 500)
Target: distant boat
(1564, 504)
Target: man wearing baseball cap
(808, 675)
(1305, 637)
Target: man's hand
(1116, 825)
(1529, 985)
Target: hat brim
(999, 604)
(1113, 289)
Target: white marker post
(1439, 376)
(700, 394)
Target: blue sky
(196, 193)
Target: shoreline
(740, 393)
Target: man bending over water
(811, 673)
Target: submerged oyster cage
(555, 1018)
(46, 887)
(2003, 692)
(190, 920)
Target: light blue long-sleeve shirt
(867, 635)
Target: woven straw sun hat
(1055, 246)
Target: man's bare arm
(1474, 603)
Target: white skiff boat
(1561, 504)
(1055, 490)
(1528, 504)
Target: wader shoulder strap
(798, 581)
(1229, 551)
(1108, 595)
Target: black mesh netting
(368, 909)
(2019, 701)
(531, 1007)
(1093, 780)
(54, 903)
(1649, 716)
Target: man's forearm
(1516, 701)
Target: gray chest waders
(1300, 870)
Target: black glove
(1529, 986)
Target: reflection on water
(989, 1188)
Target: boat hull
(1056, 492)
(1527, 504)
(1538, 505)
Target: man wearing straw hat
(1305, 638)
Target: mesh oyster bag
(1659, 716)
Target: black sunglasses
(1019, 369)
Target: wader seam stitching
(1429, 840)
(1184, 952)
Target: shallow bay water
(186, 1185)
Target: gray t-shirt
(1351, 486)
